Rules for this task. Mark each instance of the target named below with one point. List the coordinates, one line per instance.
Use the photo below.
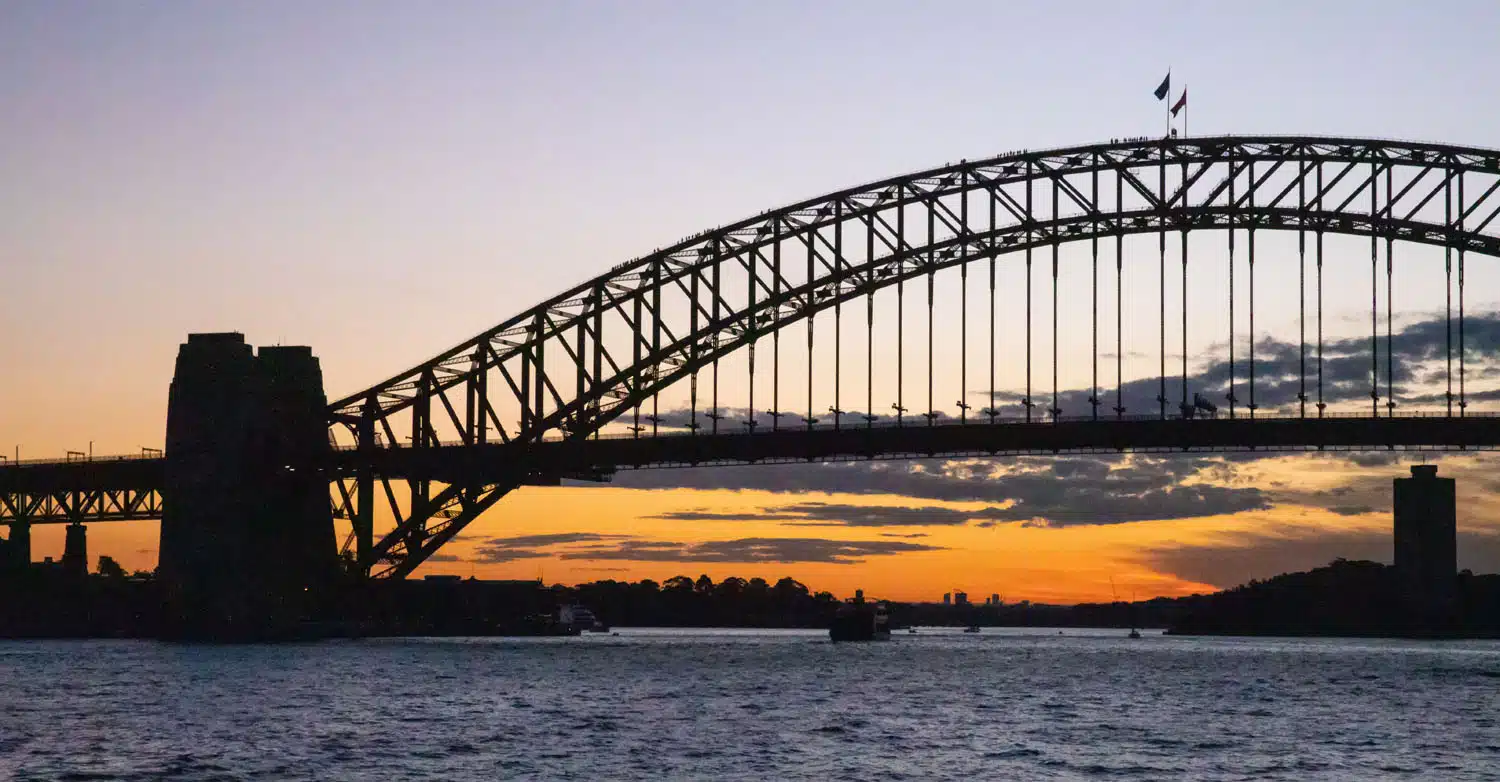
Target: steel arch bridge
(572, 387)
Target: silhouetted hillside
(1343, 598)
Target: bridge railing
(44, 460)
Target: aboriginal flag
(1166, 87)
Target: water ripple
(751, 705)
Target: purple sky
(382, 180)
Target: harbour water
(727, 704)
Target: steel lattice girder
(81, 505)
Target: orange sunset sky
(381, 183)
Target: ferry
(859, 621)
(578, 619)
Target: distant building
(995, 599)
(859, 595)
(947, 598)
(961, 598)
(1426, 550)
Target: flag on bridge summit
(1181, 103)
(1166, 87)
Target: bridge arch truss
(598, 357)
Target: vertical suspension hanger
(1448, 289)
(1231, 397)
(1161, 234)
(714, 416)
(693, 353)
(810, 308)
(931, 290)
(1119, 296)
(1031, 220)
(776, 411)
(900, 406)
(1094, 287)
(1374, 293)
(1319, 248)
(992, 411)
(1250, 246)
(838, 312)
(1390, 295)
(655, 343)
(1185, 226)
(635, 341)
(1302, 287)
(1055, 410)
(870, 322)
(963, 306)
(1463, 400)
(753, 326)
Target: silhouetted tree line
(681, 601)
(1348, 598)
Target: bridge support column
(18, 545)
(247, 544)
(75, 558)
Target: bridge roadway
(593, 459)
(549, 460)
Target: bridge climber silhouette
(677, 358)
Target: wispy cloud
(586, 546)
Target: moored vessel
(860, 621)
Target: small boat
(911, 631)
(972, 629)
(1134, 633)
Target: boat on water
(578, 619)
(1134, 633)
(860, 621)
(972, 629)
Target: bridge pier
(75, 558)
(18, 546)
(247, 543)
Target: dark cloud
(440, 557)
(1418, 371)
(495, 550)
(585, 546)
(1105, 489)
(550, 539)
(814, 514)
(1283, 550)
(779, 550)
(903, 534)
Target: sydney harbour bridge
(1095, 299)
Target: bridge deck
(549, 460)
(127, 489)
